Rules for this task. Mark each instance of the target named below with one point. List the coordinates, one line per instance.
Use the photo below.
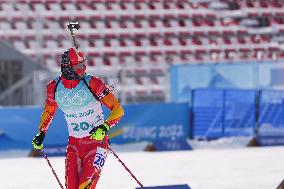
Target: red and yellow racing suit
(85, 157)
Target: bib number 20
(100, 158)
(82, 126)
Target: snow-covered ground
(203, 168)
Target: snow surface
(206, 167)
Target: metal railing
(30, 90)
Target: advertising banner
(151, 122)
(21, 124)
(142, 122)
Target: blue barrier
(144, 122)
(232, 113)
(55, 150)
(184, 186)
(271, 109)
(271, 119)
(21, 124)
(171, 145)
(239, 112)
(270, 140)
(219, 113)
(208, 113)
(8, 143)
(216, 113)
(149, 122)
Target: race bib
(100, 158)
(81, 121)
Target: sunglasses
(80, 65)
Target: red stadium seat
(145, 34)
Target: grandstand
(18, 86)
(133, 43)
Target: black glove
(37, 140)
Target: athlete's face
(80, 67)
(78, 61)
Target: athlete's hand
(37, 140)
(99, 132)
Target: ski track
(241, 168)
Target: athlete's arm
(111, 102)
(107, 99)
(49, 108)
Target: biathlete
(80, 96)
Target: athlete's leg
(72, 169)
(91, 167)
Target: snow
(225, 142)
(202, 168)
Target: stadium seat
(146, 34)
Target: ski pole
(54, 173)
(281, 185)
(128, 170)
(71, 26)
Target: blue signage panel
(219, 113)
(145, 122)
(239, 110)
(7, 143)
(21, 124)
(271, 120)
(270, 140)
(149, 122)
(208, 113)
(171, 145)
(271, 109)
